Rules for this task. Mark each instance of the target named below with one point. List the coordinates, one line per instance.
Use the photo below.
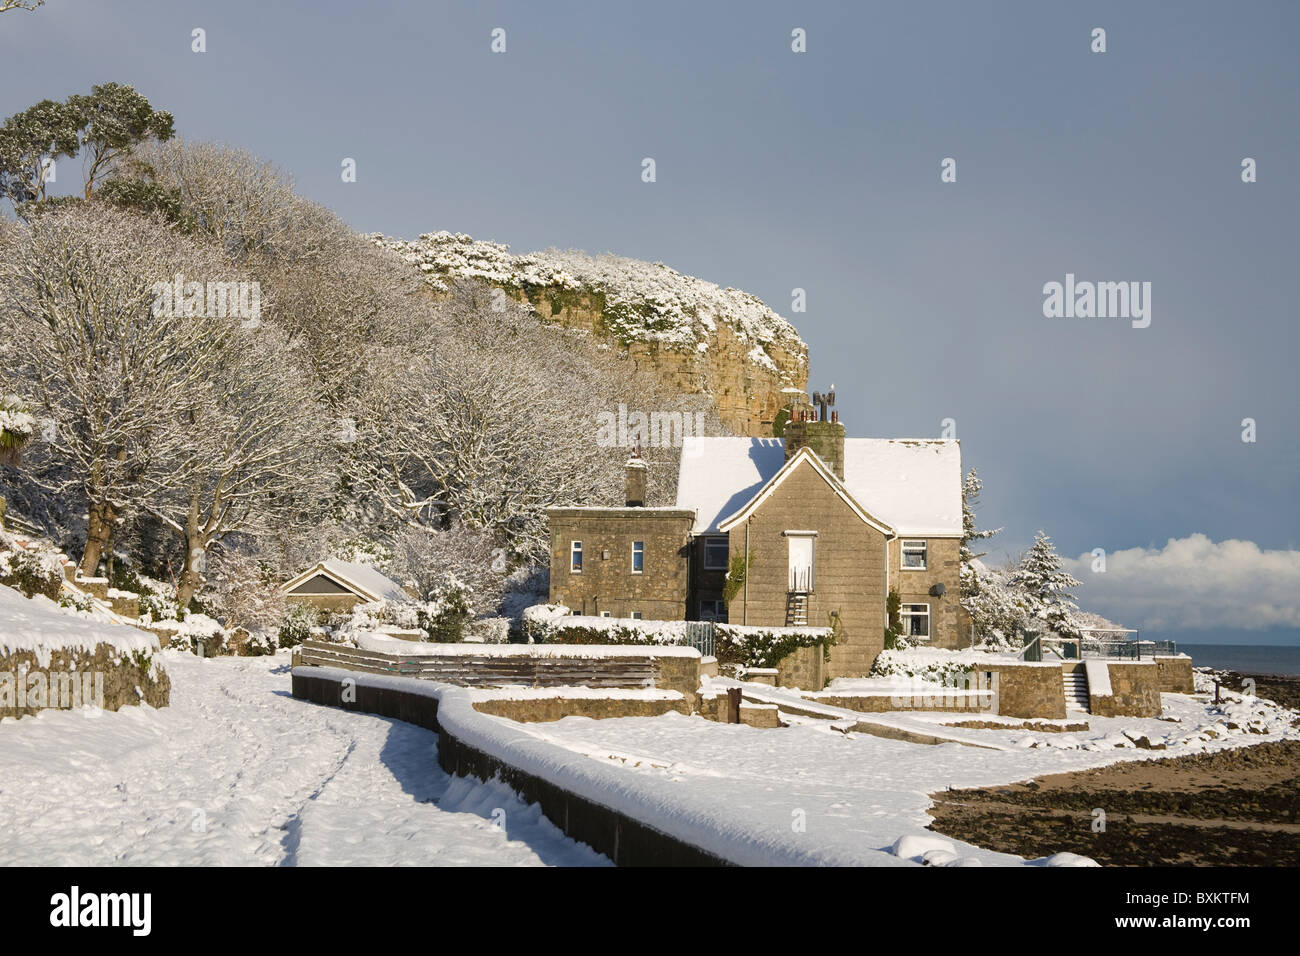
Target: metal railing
(701, 636)
(1095, 647)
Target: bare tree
(249, 450)
(102, 366)
(501, 423)
(244, 203)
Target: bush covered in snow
(16, 427)
(200, 635)
(557, 624)
(766, 646)
(296, 625)
(36, 568)
(931, 665)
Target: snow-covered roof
(718, 476)
(914, 485)
(365, 580)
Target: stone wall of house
(606, 582)
(125, 680)
(949, 625)
(849, 569)
(538, 710)
(1135, 691)
(326, 603)
(1175, 675)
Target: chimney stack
(823, 433)
(634, 484)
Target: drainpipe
(888, 539)
(744, 615)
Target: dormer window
(914, 555)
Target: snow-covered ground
(236, 772)
(858, 798)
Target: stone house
(334, 585)
(825, 527)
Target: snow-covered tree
(246, 205)
(499, 424)
(999, 611)
(970, 496)
(1045, 584)
(102, 366)
(249, 451)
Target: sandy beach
(1238, 807)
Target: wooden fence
(490, 670)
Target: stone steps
(1076, 690)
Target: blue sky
(820, 170)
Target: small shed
(336, 585)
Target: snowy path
(238, 772)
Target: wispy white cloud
(1194, 583)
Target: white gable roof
(914, 485)
(365, 580)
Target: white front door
(801, 562)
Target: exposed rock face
(699, 338)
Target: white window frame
(905, 615)
(606, 614)
(635, 569)
(716, 539)
(575, 548)
(925, 554)
(636, 615)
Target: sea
(1245, 658)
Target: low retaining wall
(522, 665)
(1175, 674)
(804, 668)
(1134, 691)
(104, 677)
(543, 709)
(938, 701)
(626, 841)
(1026, 690)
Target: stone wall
(63, 681)
(1135, 691)
(326, 603)
(932, 701)
(1175, 675)
(1028, 690)
(538, 710)
(607, 582)
(804, 668)
(849, 564)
